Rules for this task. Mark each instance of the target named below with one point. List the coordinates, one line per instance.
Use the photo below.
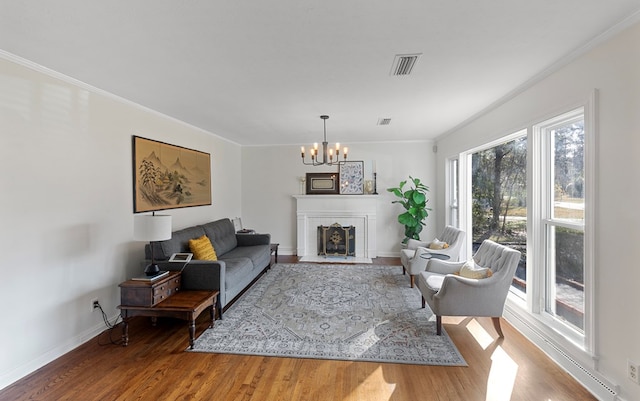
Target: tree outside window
(499, 209)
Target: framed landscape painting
(168, 176)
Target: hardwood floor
(155, 367)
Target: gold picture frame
(168, 176)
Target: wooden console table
(163, 298)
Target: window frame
(452, 199)
(541, 192)
(530, 310)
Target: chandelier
(327, 154)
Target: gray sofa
(242, 258)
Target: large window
(533, 190)
(562, 140)
(499, 203)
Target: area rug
(343, 312)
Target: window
(453, 217)
(534, 190)
(562, 220)
(499, 202)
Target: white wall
(271, 175)
(614, 69)
(66, 210)
(66, 206)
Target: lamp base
(152, 269)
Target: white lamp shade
(151, 227)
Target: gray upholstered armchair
(449, 294)
(411, 257)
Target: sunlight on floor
(478, 332)
(502, 376)
(376, 384)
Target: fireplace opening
(336, 240)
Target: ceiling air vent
(403, 64)
(384, 121)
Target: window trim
(452, 195)
(528, 312)
(585, 342)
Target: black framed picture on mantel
(323, 184)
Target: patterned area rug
(343, 312)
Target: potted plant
(414, 200)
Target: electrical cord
(110, 328)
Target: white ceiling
(261, 72)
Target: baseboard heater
(595, 383)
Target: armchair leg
(404, 271)
(439, 325)
(496, 325)
(423, 303)
(413, 280)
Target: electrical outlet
(633, 371)
(95, 304)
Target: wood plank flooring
(155, 367)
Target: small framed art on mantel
(322, 184)
(352, 178)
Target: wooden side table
(162, 298)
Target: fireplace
(336, 240)
(324, 210)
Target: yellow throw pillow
(436, 244)
(202, 249)
(470, 270)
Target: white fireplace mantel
(316, 210)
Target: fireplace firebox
(336, 240)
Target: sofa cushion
(259, 255)
(434, 282)
(237, 268)
(202, 249)
(222, 235)
(179, 242)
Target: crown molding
(562, 62)
(90, 88)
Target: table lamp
(152, 228)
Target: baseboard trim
(592, 380)
(27, 368)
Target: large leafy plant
(414, 200)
